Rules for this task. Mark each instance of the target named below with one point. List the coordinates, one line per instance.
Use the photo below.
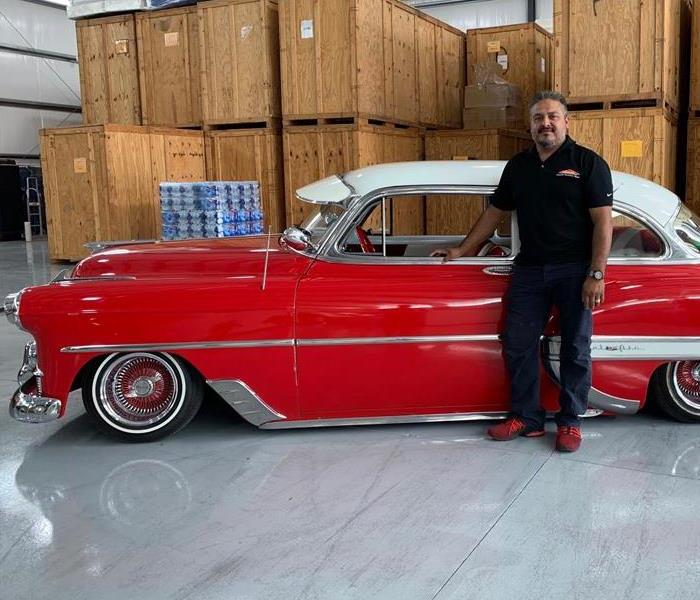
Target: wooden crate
(441, 73)
(107, 60)
(377, 59)
(314, 152)
(169, 67)
(692, 189)
(525, 53)
(443, 214)
(240, 61)
(251, 154)
(695, 62)
(622, 54)
(639, 141)
(101, 182)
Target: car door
(396, 332)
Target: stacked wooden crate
(108, 61)
(213, 67)
(626, 101)
(523, 53)
(241, 97)
(101, 181)
(357, 82)
(360, 81)
(692, 189)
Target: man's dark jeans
(532, 292)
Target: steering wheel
(363, 238)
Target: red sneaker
(512, 428)
(568, 438)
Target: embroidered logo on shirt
(569, 173)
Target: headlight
(11, 308)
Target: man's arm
(481, 231)
(593, 292)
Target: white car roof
(651, 198)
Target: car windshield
(687, 226)
(321, 219)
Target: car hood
(191, 259)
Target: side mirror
(297, 239)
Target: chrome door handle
(502, 270)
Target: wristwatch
(597, 275)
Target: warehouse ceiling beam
(19, 156)
(47, 3)
(38, 53)
(14, 103)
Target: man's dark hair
(549, 95)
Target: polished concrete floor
(225, 511)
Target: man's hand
(448, 254)
(593, 293)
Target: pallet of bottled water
(210, 209)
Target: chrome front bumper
(30, 407)
(28, 404)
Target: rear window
(687, 226)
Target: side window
(415, 225)
(631, 238)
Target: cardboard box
(494, 117)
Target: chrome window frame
(685, 254)
(675, 250)
(330, 249)
(629, 211)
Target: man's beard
(546, 142)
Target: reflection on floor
(223, 510)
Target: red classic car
(348, 320)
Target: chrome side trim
(28, 406)
(632, 347)
(606, 402)
(418, 339)
(343, 422)
(244, 401)
(178, 346)
(442, 339)
(602, 347)
(596, 398)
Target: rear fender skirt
(623, 366)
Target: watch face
(598, 275)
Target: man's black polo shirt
(552, 199)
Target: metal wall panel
(19, 133)
(32, 79)
(478, 13)
(544, 13)
(37, 26)
(39, 80)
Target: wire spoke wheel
(142, 396)
(677, 390)
(686, 381)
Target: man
(562, 194)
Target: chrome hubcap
(686, 381)
(144, 386)
(139, 389)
